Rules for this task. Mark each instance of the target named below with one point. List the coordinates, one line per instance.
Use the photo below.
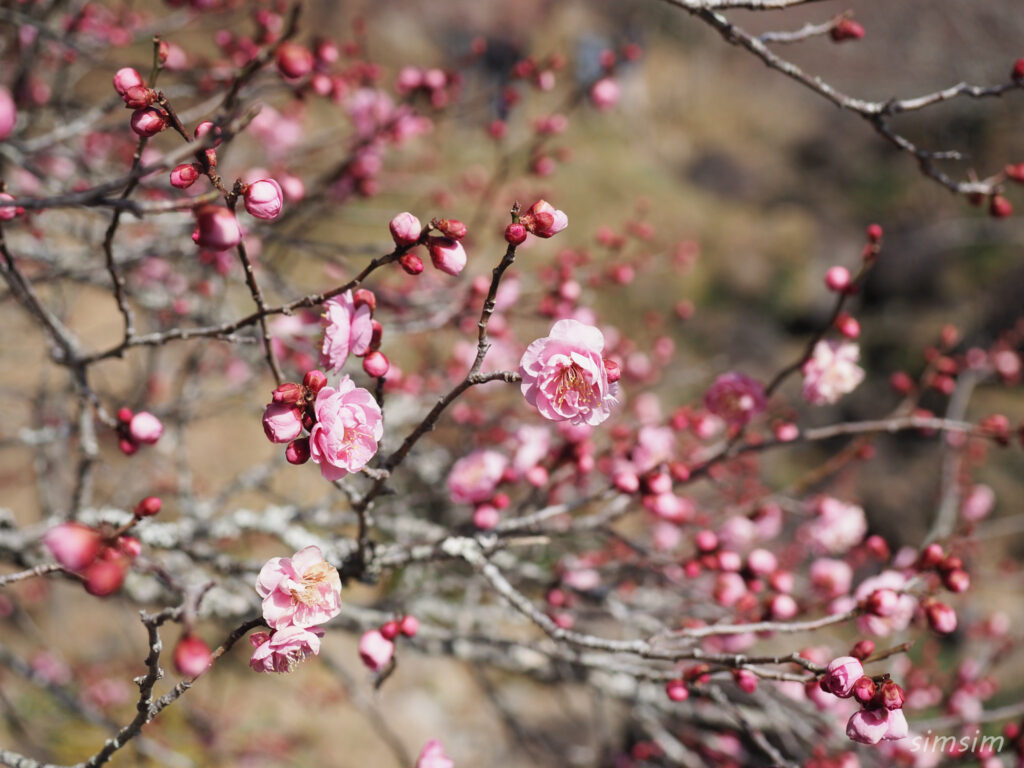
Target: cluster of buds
(146, 120)
(101, 557)
(290, 411)
(377, 646)
(949, 567)
(445, 248)
(437, 85)
(542, 220)
(137, 429)
(881, 717)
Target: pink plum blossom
(375, 650)
(73, 545)
(284, 649)
(347, 330)
(192, 656)
(264, 199)
(544, 220)
(898, 615)
(840, 675)
(302, 590)
(473, 478)
(736, 398)
(349, 426)
(837, 527)
(604, 94)
(433, 756)
(563, 375)
(831, 372)
(282, 422)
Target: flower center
(309, 593)
(572, 379)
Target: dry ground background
(774, 184)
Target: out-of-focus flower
(473, 478)
(831, 372)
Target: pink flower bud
(868, 726)
(409, 626)
(999, 207)
(864, 690)
(862, 649)
(515, 233)
(411, 263)
(409, 79)
(138, 96)
(405, 229)
(452, 228)
(389, 630)
(375, 650)
(676, 690)
(847, 325)
(282, 423)
(204, 128)
(127, 446)
(149, 506)
(706, 541)
(104, 577)
(882, 602)
(745, 679)
(941, 618)
(782, 607)
(129, 546)
(184, 176)
(956, 580)
(297, 451)
(376, 364)
(145, 428)
(192, 656)
(433, 756)
(218, 228)
(289, 392)
(446, 254)
(127, 78)
(613, 370)
(1018, 70)
(761, 562)
(604, 94)
(486, 517)
(874, 233)
(8, 212)
(544, 220)
(294, 60)
(365, 296)
(846, 29)
(73, 545)
(840, 676)
(314, 381)
(148, 121)
(837, 279)
(264, 199)
(8, 114)
(890, 695)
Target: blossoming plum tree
(530, 480)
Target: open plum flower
(301, 591)
(349, 426)
(564, 376)
(284, 649)
(347, 330)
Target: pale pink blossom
(831, 372)
(899, 614)
(216, 228)
(830, 576)
(978, 503)
(347, 330)
(837, 527)
(897, 726)
(840, 675)
(375, 650)
(532, 446)
(868, 726)
(564, 377)
(302, 590)
(349, 426)
(405, 229)
(282, 422)
(284, 649)
(473, 478)
(654, 445)
(446, 254)
(433, 756)
(736, 398)
(8, 114)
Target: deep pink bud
(452, 228)
(612, 370)
(149, 506)
(104, 577)
(846, 29)
(882, 602)
(148, 121)
(192, 656)
(297, 451)
(294, 60)
(145, 428)
(411, 263)
(405, 229)
(127, 78)
(73, 545)
(8, 212)
(863, 649)
(446, 254)
(375, 650)
(127, 446)
(515, 233)
(676, 690)
(204, 128)
(314, 381)
(409, 626)
(389, 630)
(999, 207)
(124, 415)
(1018, 70)
(264, 199)
(745, 679)
(365, 296)
(874, 233)
(218, 228)
(890, 695)
(837, 279)
(956, 580)
(840, 676)
(289, 392)
(376, 364)
(129, 546)
(376, 333)
(864, 689)
(138, 96)
(184, 176)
